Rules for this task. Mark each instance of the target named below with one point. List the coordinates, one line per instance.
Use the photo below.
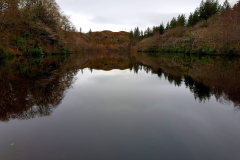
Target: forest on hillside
(35, 27)
(211, 28)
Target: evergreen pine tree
(181, 20)
(136, 33)
(167, 26)
(190, 20)
(208, 8)
(90, 32)
(131, 34)
(161, 28)
(195, 18)
(173, 23)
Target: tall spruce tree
(90, 32)
(208, 8)
(173, 23)
(161, 28)
(167, 26)
(136, 33)
(131, 34)
(181, 20)
(190, 20)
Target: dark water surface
(119, 106)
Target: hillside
(219, 34)
(107, 40)
(40, 27)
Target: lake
(120, 106)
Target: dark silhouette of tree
(167, 26)
(181, 20)
(208, 8)
(136, 33)
(131, 34)
(173, 23)
(161, 28)
(90, 32)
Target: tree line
(205, 10)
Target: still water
(104, 107)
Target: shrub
(27, 35)
(6, 52)
(160, 50)
(187, 50)
(63, 50)
(21, 44)
(36, 51)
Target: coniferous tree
(148, 31)
(181, 20)
(193, 18)
(136, 33)
(190, 20)
(161, 28)
(90, 32)
(131, 34)
(167, 26)
(208, 8)
(173, 23)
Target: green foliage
(131, 34)
(193, 18)
(27, 35)
(90, 32)
(173, 23)
(161, 28)
(23, 66)
(207, 59)
(167, 26)
(36, 51)
(187, 49)
(63, 50)
(181, 20)
(6, 52)
(204, 11)
(208, 8)
(160, 50)
(21, 44)
(136, 33)
(37, 58)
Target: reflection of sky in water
(121, 115)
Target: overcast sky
(121, 15)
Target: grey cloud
(140, 13)
(142, 20)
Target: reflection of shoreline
(34, 88)
(221, 76)
(29, 89)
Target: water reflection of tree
(199, 90)
(29, 89)
(205, 76)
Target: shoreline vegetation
(35, 86)
(33, 27)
